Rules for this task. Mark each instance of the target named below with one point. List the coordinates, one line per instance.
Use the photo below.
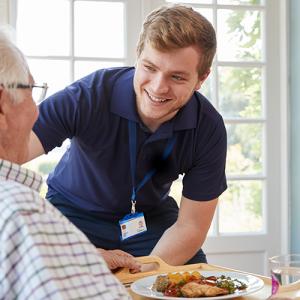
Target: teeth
(157, 99)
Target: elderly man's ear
(3, 120)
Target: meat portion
(194, 289)
(161, 283)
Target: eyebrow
(177, 72)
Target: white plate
(143, 286)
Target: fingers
(134, 266)
(118, 258)
(145, 268)
(120, 252)
(128, 262)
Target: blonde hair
(179, 26)
(13, 66)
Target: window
(236, 89)
(66, 40)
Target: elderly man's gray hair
(13, 66)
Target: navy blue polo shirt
(94, 173)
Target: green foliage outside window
(241, 99)
(46, 167)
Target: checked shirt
(43, 255)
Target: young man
(133, 131)
(42, 254)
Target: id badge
(131, 225)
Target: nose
(159, 84)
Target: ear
(201, 80)
(3, 121)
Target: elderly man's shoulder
(16, 198)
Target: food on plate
(161, 283)
(191, 285)
(194, 289)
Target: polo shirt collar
(14, 172)
(123, 103)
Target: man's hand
(118, 259)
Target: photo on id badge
(133, 226)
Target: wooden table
(126, 278)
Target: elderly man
(42, 254)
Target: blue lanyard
(132, 152)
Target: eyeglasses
(39, 91)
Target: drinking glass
(285, 272)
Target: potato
(196, 274)
(175, 277)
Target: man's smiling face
(164, 82)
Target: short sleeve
(206, 179)
(67, 114)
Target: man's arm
(35, 147)
(185, 237)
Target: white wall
(295, 123)
(4, 11)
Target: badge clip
(133, 202)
